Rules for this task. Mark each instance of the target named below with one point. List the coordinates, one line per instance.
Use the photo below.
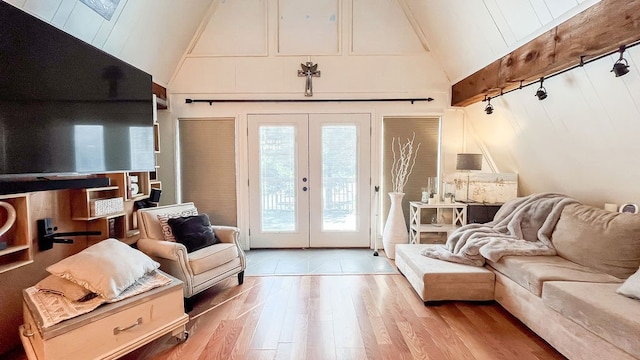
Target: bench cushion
(436, 280)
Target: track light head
(489, 108)
(621, 67)
(541, 93)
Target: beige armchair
(199, 270)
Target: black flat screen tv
(67, 107)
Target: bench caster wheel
(182, 337)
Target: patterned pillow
(164, 222)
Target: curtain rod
(211, 101)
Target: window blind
(208, 167)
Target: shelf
(82, 201)
(434, 228)
(18, 252)
(121, 224)
(91, 218)
(14, 265)
(12, 249)
(442, 205)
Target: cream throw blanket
(522, 226)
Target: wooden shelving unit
(121, 225)
(18, 252)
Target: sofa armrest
(162, 249)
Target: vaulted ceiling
(154, 35)
(586, 129)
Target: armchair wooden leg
(188, 304)
(240, 277)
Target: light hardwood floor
(343, 317)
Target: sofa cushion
(598, 308)
(531, 272)
(211, 257)
(601, 239)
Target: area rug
(273, 262)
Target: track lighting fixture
(620, 68)
(489, 108)
(541, 93)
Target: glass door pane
(277, 175)
(339, 177)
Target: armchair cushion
(212, 257)
(194, 232)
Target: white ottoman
(436, 280)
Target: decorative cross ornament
(309, 70)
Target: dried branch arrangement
(403, 162)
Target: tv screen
(67, 107)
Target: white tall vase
(395, 228)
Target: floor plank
(342, 317)
(345, 317)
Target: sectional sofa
(574, 300)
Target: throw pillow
(631, 287)
(164, 224)
(194, 232)
(106, 268)
(64, 287)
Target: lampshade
(469, 162)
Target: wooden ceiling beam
(600, 29)
(161, 96)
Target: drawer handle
(119, 329)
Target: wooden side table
(459, 218)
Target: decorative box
(101, 207)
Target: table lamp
(468, 162)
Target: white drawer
(111, 330)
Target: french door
(309, 180)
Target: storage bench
(437, 280)
(111, 330)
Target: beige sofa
(570, 299)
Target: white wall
(580, 141)
(364, 49)
(149, 34)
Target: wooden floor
(343, 317)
